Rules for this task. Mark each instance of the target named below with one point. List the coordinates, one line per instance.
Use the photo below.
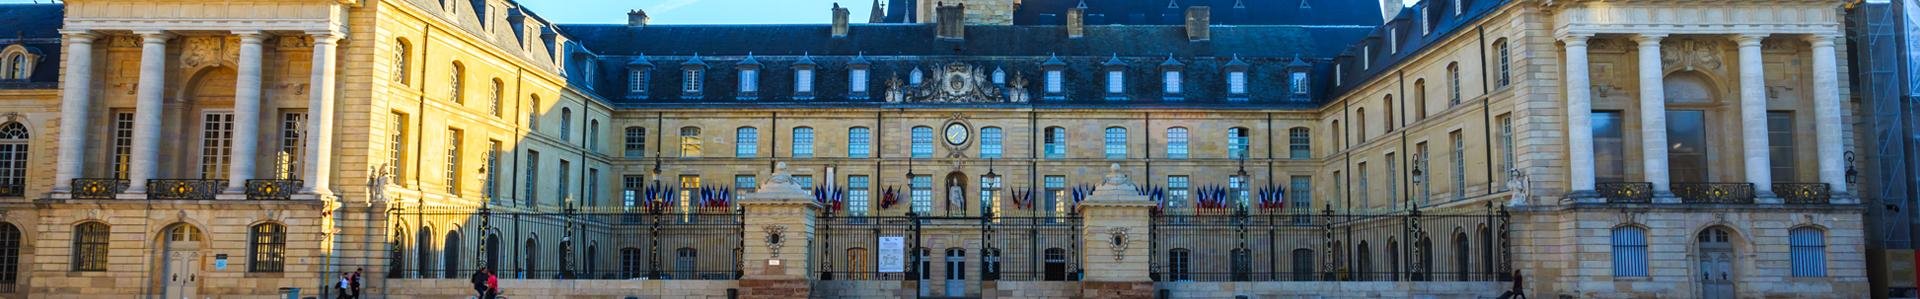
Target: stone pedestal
(778, 226)
(1116, 245)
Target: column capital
(325, 37)
(154, 36)
(1820, 40)
(1576, 39)
(250, 36)
(1749, 39)
(1649, 39)
(79, 36)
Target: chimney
(1076, 22)
(951, 21)
(637, 18)
(839, 21)
(1198, 23)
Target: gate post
(779, 220)
(1116, 235)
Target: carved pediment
(1691, 54)
(954, 83)
(205, 51)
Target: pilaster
(779, 222)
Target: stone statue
(1116, 177)
(1517, 181)
(896, 90)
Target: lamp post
(1419, 180)
(991, 181)
(910, 175)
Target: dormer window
(803, 81)
(1173, 82)
(1116, 82)
(1170, 78)
(1055, 69)
(639, 78)
(1054, 85)
(914, 77)
(1237, 82)
(1337, 72)
(1299, 82)
(692, 85)
(1366, 57)
(1393, 40)
(693, 80)
(749, 71)
(749, 81)
(857, 78)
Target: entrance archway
(179, 261)
(1716, 260)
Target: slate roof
(37, 27)
(1156, 12)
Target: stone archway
(178, 261)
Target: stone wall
(1318, 289)
(544, 288)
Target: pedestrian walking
(344, 286)
(479, 280)
(493, 285)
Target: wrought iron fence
(183, 189)
(98, 188)
(1274, 245)
(272, 189)
(1803, 193)
(1625, 192)
(914, 247)
(1726, 193)
(694, 243)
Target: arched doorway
(956, 194)
(1691, 100)
(179, 261)
(1716, 261)
(206, 113)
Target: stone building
(1604, 149)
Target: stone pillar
(76, 101)
(320, 116)
(1653, 117)
(1116, 240)
(1753, 118)
(1827, 117)
(147, 110)
(779, 223)
(246, 113)
(1579, 119)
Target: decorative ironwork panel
(98, 188)
(272, 189)
(1803, 193)
(1725, 193)
(1625, 192)
(183, 189)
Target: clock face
(956, 134)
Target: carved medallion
(1691, 54)
(954, 83)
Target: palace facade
(1603, 149)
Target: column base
(1767, 198)
(1665, 197)
(1117, 289)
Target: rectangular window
(1054, 85)
(1177, 186)
(630, 188)
(593, 187)
(1609, 147)
(989, 199)
(1299, 146)
(1300, 196)
(692, 84)
(1055, 195)
(1238, 143)
(1687, 153)
(922, 194)
(492, 189)
(566, 181)
(922, 142)
(689, 188)
(1056, 143)
(1393, 182)
(216, 144)
(803, 81)
(746, 142)
(1116, 82)
(805, 182)
(533, 178)
(857, 195)
(1426, 181)
(636, 142)
(743, 184)
(454, 137)
(1629, 252)
(122, 143)
(690, 142)
(1237, 82)
(749, 81)
(990, 140)
(859, 143)
(802, 142)
(397, 147)
(293, 146)
(1298, 82)
(1237, 185)
(1506, 150)
(1339, 187)
(1459, 165)
(1780, 146)
(1177, 143)
(1173, 82)
(637, 81)
(1362, 192)
(1116, 143)
(857, 80)
(1808, 251)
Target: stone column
(1579, 119)
(1115, 240)
(147, 110)
(76, 101)
(246, 113)
(779, 222)
(1753, 118)
(1827, 117)
(320, 116)
(1653, 116)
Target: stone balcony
(186, 189)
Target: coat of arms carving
(954, 83)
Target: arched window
(922, 142)
(90, 246)
(456, 83)
(1629, 251)
(1300, 143)
(269, 248)
(1303, 264)
(592, 261)
(630, 262)
(1337, 135)
(1116, 143)
(403, 62)
(1238, 143)
(9, 254)
(397, 253)
(1486, 252)
(1386, 113)
(1462, 257)
(1453, 84)
(1425, 269)
(530, 258)
(593, 135)
(18, 67)
(1419, 99)
(1056, 143)
(1809, 251)
(1177, 143)
(1179, 263)
(925, 266)
(533, 112)
(1393, 259)
(450, 255)
(636, 142)
(1504, 63)
(1360, 125)
(493, 251)
(423, 252)
(1363, 259)
(495, 93)
(803, 142)
(566, 124)
(859, 142)
(684, 260)
(13, 159)
(746, 142)
(690, 141)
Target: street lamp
(992, 182)
(1419, 177)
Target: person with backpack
(480, 285)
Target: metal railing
(1714, 193)
(184, 189)
(272, 189)
(1269, 245)
(98, 188)
(1803, 193)
(1625, 192)
(1020, 248)
(697, 243)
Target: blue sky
(691, 11)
